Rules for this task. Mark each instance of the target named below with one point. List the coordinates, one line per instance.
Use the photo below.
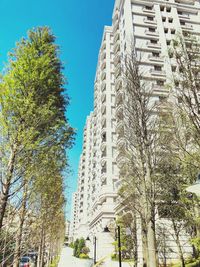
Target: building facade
(147, 27)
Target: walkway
(67, 260)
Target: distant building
(73, 223)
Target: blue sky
(78, 26)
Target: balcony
(116, 27)
(148, 10)
(187, 2)
(116, 36)
(119, 98)
(155, 58)
(103, 120)
(103, 45)
(121, 143)
(103, 87)
(149, 22)
(121, 159)
(103, 65)
(116, 60)
(103, 178)
(116, 48)
(103, 145)
(183, 16)
(103, 109)
(186, 27)
(103, 170)
(119, 112)
(103, 56)
(117, 72)
(151, 33)
(103, 97)
(153, 45)
(116, 16)
(155, 72)
(120, 127)
(159, 90)
(103, 76)
(118, 85)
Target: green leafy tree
(34, 137)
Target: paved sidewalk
(67, 260)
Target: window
(168, 9)
(160, 83)
(152, 29)
(168, 42)
(148, 7)
(158, 68)
(182, 22)
(173, 68)
(155, 54)
(166, 30)
(180, 12)
(150, 18)
(164, 19)
(173, 31)
(153, 41)
(170, 20)
(162, 8)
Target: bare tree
(138, 151)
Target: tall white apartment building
(148, 27)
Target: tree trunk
(144, 244)
(6, 186)
(40, 259)
(135, 240)
(17, 254)
(178, 243)
(153, 260)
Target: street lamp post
(95, 247)
(119, 245)
(95, 250)
(106, 230)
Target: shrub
(114, 256)
(83, 256)
(71, 245)
(76, 244)
(81, 245)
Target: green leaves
(33, 102)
